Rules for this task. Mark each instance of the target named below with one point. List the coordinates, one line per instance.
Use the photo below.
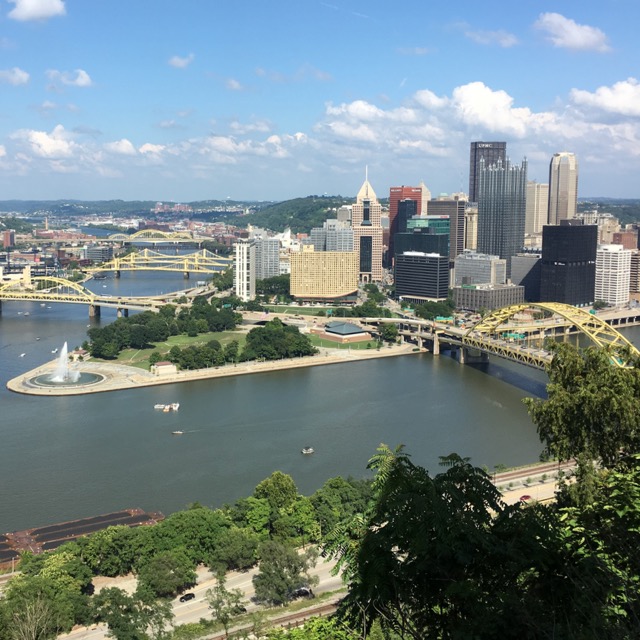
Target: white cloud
(3, 151)
(122, 147)
(151, 149)
(26, 10)
(77, 78)
(14, 76)
(57, 144)
(567, 34)
(501, 38)
(259, 126)
(181, 63)
(233, 85)
(623, 98)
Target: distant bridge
(499, 334)
(153, 236)
(52, 289)
(202, 261)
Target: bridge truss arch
(151, 235)
(485, 334)
(49, 288)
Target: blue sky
(181, 100)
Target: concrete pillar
(117, 273)
(462, 355)
(436, 345)
(94, 311)
(185, 275)
(126, 313)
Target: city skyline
(187, 101)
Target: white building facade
(245, 269)
(613, 274)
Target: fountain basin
(82, 379)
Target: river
(70, 457)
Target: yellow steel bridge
(202, 261)
(153, 236)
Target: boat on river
(307, 451)
(174, 406)
(177, 433)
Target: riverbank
(116, 377)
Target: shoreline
(118, 377)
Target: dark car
(185, 597)
(302, 592)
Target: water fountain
(65, 376)
(63, 373)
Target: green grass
(140, 357)
(317, 341)
(294, 310)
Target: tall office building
(453, 207)
(502, 190)
(537, 211)
(407, 209)
(397, 195)
(490, 152)
(568, 264)
(563, 187)
(424, 234)
(479, 268)
(367, 233)
(613, 274)
(421, 276)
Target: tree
(388, 332)
(282, 571)
(278, 489)
(236, 549)
(593, 407)
(316, 629)
(225, 604)
(168, 573)
(130, 616)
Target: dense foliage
(431, 310)
(300, 214)
(275, 341)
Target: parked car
(185, 597)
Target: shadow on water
(516, 375)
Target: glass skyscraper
(491, 152)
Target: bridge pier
(122, 312)
(116, 273)
(186, 275)
(466, 355)
(94, 311)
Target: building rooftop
(343, 328)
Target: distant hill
(626, 210)
(299, 214)
(78, 207)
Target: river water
(78, 456)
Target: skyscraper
(397, 195)
(502, 189)
(367, 233)
(245, 269)
(537, 213)
(568, 264)
(613, 274)
(454, 207)
(563, 187)
(491, 152)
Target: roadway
(193, 610)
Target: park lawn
(317, 341)
(295, 310)
(140, 357)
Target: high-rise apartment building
(267, 257)
(8, 238)
(502, 190)
(334, 235)
(367, 233)
(563, 187)
(568, 264)
(537, 211)
(324, 275)
(613, 274)
(245, 269)
(490, 152)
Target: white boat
(160, 407)
(54, 350)
(22, 355)
(42, 304)
(307, 450)
(175, 406)
(177, 433)
(26, 313)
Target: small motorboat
(160, 407)
(54, 350)
(177, 433)
(22, 355)
(307, 450)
